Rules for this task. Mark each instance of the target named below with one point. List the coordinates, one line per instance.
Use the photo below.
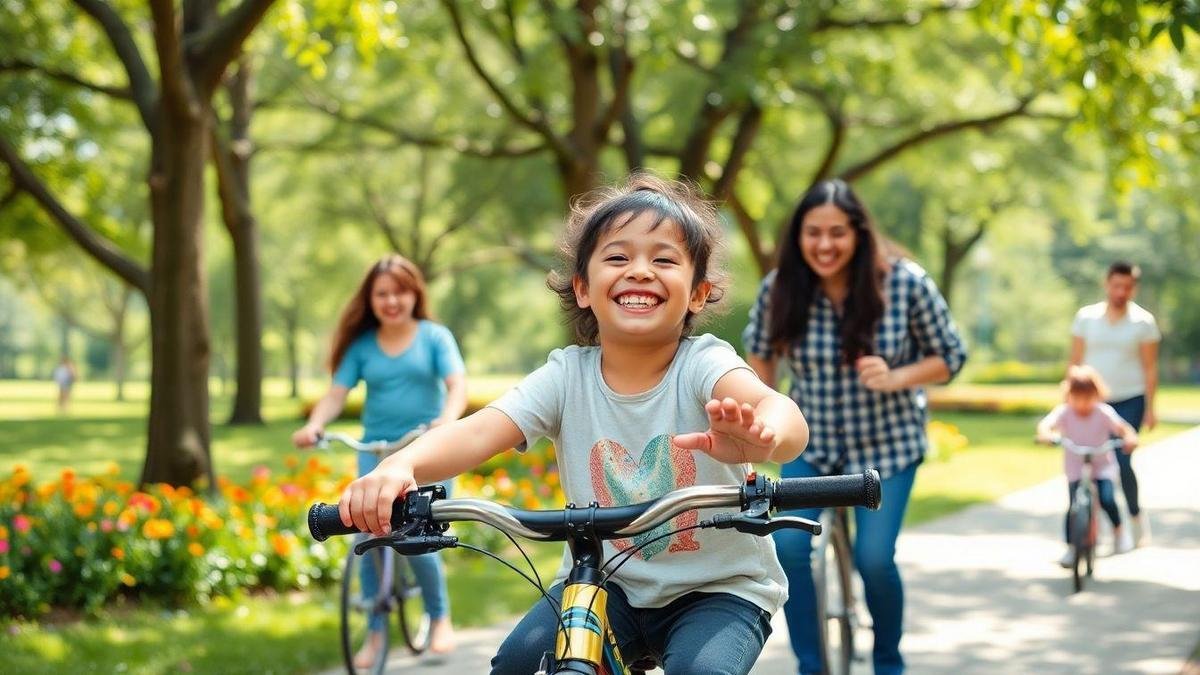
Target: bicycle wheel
(835, 594)
(1080, 525)
(357, 612)
(410, 608)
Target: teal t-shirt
(405, 390)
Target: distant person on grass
(64, 376)
(1084, 419)
(1120, 340)
(414, 375)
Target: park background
(189, 192)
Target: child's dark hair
(606, 209)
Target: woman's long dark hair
(796, 284)
(357, 318)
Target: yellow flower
(4, 572)
(195, 549)
(112, 469)
(158, 528)
(3, 532)
(111, 508)
(127, 579)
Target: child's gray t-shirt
(616, 449)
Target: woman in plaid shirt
(860, 332)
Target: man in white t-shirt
(1120, 340)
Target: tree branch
(911, 17)
(141, 85)
(177, 92)
(743, 140)
(459, 144)
(749, 227)
(715, 109)
(23, 66)
(944, 129)
(536, 124)
(98, 247)
(219, 45)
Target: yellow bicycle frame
(584, 633)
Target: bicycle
(1082, 518)
(833, 581)
(397, 587)
(585, 643)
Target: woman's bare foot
(365, 658)
(441, 636)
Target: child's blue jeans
(699, 633)
(1108, 502)
(427, 568)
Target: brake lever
(761, 526)
(406, 545)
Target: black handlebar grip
(324, 522)
(856, 489)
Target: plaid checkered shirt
(851, 427)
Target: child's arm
(1048, 425)
(749, 422)
(1129, 438)
(442, 452)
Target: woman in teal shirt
(414, 375)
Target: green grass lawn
(298, 632)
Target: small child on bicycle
(636, 409)
(1086, 420)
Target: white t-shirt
(616, 449)
(1113, 348)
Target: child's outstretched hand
(735, 435)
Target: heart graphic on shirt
(619, 479)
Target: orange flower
(282, 544)
(111, 508)
(145, 502)
(195, 549)
(3, 532)
(158, 528)
(4, 572)
(85, 509)
(193, 531)
(291, 461)
(118, 553)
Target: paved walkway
(985, 593)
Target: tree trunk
(233, 168)
(291, 330)
(120, 351)
(178, 434)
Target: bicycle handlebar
(377, 447)
(1070, 446)
(624, 521)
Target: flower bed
(80, 542)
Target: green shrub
(80, 542)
